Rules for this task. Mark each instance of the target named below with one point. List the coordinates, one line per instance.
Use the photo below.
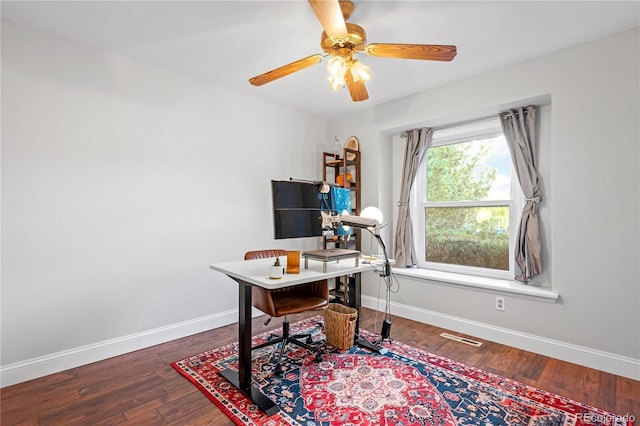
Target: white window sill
(489, 285)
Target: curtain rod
(458, 124)
(465, 123)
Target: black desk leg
(355, 289)
(241, 379)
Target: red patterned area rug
(405, 386)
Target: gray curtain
(519, 128)
(418, 140)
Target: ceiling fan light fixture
(337, 68)
(336, 83)
(360, 71)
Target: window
(466, 202)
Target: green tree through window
(466, 213)
(455, 173)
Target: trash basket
(340, 325)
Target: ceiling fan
(341, 40)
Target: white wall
(592, 182)
(121, 183)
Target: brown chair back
(262, 254)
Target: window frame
(450, 135)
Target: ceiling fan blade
(285, 70)
(357, 89)
(430, 52)
(330, 16)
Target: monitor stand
(330, 255)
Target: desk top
(257, 271)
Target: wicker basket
(340, 325)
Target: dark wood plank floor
(142, 388)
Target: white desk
(256, 271)
(248, 273)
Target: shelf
(339, 294)
(345, 164)
(340, 162)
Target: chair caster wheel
(309, 340)
(318, 357)
(278, 370)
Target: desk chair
(288, 300)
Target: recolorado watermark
(607, 419)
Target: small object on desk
(293, 262)
(277, 270)
(277, 273)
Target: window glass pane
(469, 236)
(477, 170)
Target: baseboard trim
(54, 363)
(588, 357)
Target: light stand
(386, 274)
(373, 226)
(387, 266)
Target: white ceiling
(227, 42)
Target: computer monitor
(297, 206)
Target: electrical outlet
(500, 303)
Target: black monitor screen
(296, 209)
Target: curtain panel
(418, 140)
(519, 128)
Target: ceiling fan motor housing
(356, 40)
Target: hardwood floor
(142, 388)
